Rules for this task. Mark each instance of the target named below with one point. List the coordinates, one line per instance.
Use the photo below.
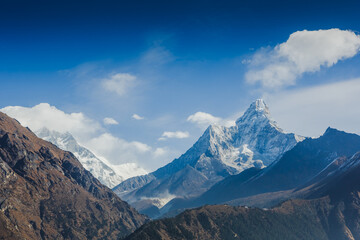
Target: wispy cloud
(119, 83)
(304, 51)
(137, 117)
(203, 120)
(177, 134)
(156, 56)
(110, 121)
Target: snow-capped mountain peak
(257, 116)
(65, 141)
(258, 110)
(260, 106)
(255, 141)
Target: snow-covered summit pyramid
(255, 141)
(258, 136)
(257, 112)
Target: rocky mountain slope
(293, 170)
(255, 140)
(330, 211)
(45, 193)
(293, 221)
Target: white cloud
(110, 146)
(110, 121)
(160, 152)
(309, 111)
(137, 117)
(44, 115)
(304, 51)
(87, 132)
(119, 83)
(177, 134)
(121, 151)
(203, 120)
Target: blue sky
(185, 57)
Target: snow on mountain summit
(105, 173)
(260, 106)
(257, 113)
(255, 141)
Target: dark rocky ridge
(292, 171)
(330, 211)
(45, 193)
(294, 220)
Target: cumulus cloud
(203, 120)
(109, 145)
(110, 121)
(90, 134)
(309, 111)
(177, 134)
(119, 83)
(137, 117)
(159, 152)
(121, 151)
(304, 51)
(44, 115)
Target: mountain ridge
(108, 174)
(47, 194)
(98, 168)
(329, 210)
(295, 168)
(221, 152)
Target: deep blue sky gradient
(51, 35)
(55, 51)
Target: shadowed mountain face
(293, 221)
(45, 193)
(331, 212)
(255, 141)
(338, 179)
(294, 169)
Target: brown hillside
(45, 193)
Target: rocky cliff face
(45, 193)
